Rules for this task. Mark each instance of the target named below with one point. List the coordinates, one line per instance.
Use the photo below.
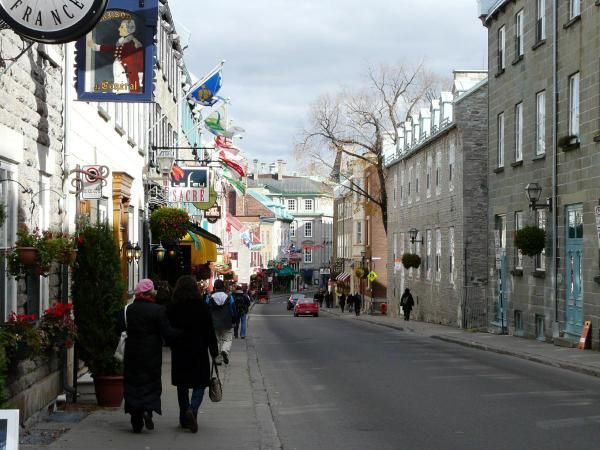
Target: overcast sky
(282, 54)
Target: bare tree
(360, 125)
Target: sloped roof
(290, 185)
(276, 208)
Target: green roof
(278, 209)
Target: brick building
(544, 121)
(437, 186)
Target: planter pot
(109, 390)
(69, 257)
(27, 255)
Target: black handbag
(215, 388)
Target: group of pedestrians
(197, 326)
(352, 301)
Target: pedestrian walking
(328, 300)
(321, 298)
(190, 362)
(357, 304)
(407, 303)
(242, 305)
(222, 309)
(342, 301)
(146, 325)
(350, 303)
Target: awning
(206, 234)
(343, 277)
(203, 250)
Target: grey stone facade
(539, 299)
(438, 186)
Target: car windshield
(297, 298)
(305, 300)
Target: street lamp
(362, 286)
(137, 252)
(413, 233)
(534, 191)
(160, 252)
(129, 251)
(165, 160)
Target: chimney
(280, 169)
(262, 168)
(255, 169)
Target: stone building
(437, 187)
(310, 202)
(544, 121)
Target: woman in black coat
(190, 364)
(147, 326)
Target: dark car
(294, 298)
(306, 307)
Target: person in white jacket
(222, 309)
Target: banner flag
(204, 92)
(231, 164)
(235, 183)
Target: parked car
(306, 306)
(263, 296)
(293, 300)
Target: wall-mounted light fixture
(534, 191)
(165, 160)
(160, 252)
(413, 233)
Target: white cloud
(282, 54)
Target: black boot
(137, 422)
(148, 420)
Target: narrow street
(337, 383)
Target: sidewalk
(582, 361)
(239, 421)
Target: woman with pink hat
(147, 325)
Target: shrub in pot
(531, 240)
(169, 224)
(411, 260)
(97, 297)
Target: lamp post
(362, 286)
(413, 233)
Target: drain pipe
(555, 326)
(64, 369)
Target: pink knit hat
(145, 285)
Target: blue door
(574, 269)
(501, 306)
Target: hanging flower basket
(360, 272)
(531, 240)
(27, 255)
(411, 260)
(169, 225)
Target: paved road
(339, 384)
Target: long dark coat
(147, 326)
(190, 363)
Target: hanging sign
(212, 198)
(372, 276)
(51, 22)
(92, 182)
(115, 61)
(189, 185)
(213, 214)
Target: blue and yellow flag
(204, 92)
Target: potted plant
(97, 291)
(411, 260)
(21, 338)
(66, 249)
(569, 142)
(531, 240)
(58, 327)
(26, 246)
(169, 225)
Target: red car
(306, 306)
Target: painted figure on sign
(128, 53)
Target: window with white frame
(308, 204)
(518, 225)
(417, 173)
(401, 187)
(308, 231)
(574, 8)
(410, 171)
(400, 252)
(451, 153)
(540, 125)
(540, 260)
(8, 231)
(428, 261)
(519, 132)
(438, 254)
(438, 168)
(395, 188)
(308, 255)
(540, 26)
(358, 232)
(500, 140)
(501, 48)
(291, 204)
(519, 33)
(429, 169)
(574, 104)
(293, 229)
(451, 269)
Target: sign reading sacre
(51, 21)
